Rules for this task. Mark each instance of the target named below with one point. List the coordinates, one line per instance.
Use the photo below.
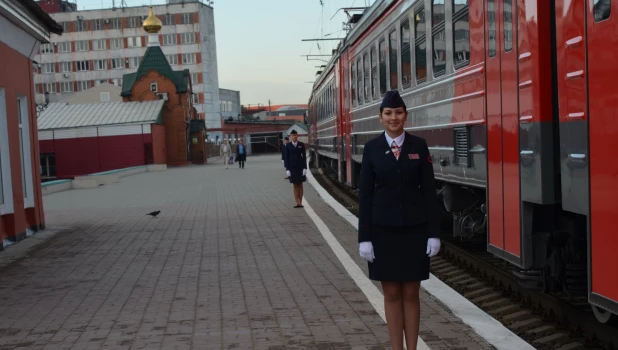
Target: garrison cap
(392, 100)
(287, 138)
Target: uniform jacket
(397, 192)
(283, 150)
(295, 157)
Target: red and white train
(518, 102)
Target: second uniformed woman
(398, 218)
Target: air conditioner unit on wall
(66, 75)
(162, 96)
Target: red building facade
(21, 205)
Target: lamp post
(41, 107)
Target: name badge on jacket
(413, 156)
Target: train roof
(368, 17)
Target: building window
(48, 165)
(188, 58)
(66, 26)
(173, 59)
(420, 49)
(65, 67)
(134, 22)
(82, 85)
(135, 61)
(6, 202)
(46, 48)
(116, 43)
(196, 98)
(461, 33)
(81, 26)
(115, 23)
(187, 38)
(194, 78)
(98, 24)
(50, 87)
(167, 19)
(134, 41)
(82, 66)
(64, 46)
(98, 45)
(153, 86)
(169, 39)
(105, 97)
(81, 45)
(66, 86)
(47, 68)
(186, 18)
(117, 63)
(24, 150)
(100, 64)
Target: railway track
(545, 321)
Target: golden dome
(152, 24)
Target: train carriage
(515, 99)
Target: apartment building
(100, 46)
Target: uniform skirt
(296, 176)
(400, 254)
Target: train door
(503, 184)
(601, 22)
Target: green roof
(154, 59)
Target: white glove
(366, 251)
(304, 172)
(433, 246)
(288, 173)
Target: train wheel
(602, 315)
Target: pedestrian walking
(226, 152)
(241, 154)
(295, 161)
(398, 218)
(286, 140)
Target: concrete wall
(95, 95)
(229, 103)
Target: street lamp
(41, 107)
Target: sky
(259, 45)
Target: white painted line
(486, 326)
(371, 291)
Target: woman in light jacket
(225, 151)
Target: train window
(406, 58)
(392, 59)
(438, 32)
(374, 73)
(437, 12)
(359, 81)
(602, 9)
(508, 25)
(420, 50)
(382, 67)
(366, 70)
(491, 27)
(461, 33)
(353, 84)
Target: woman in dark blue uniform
(398, 218)
(295, 161)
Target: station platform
(227, 264)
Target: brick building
(24, 25)
(155, 79)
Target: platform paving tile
(228, 264)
